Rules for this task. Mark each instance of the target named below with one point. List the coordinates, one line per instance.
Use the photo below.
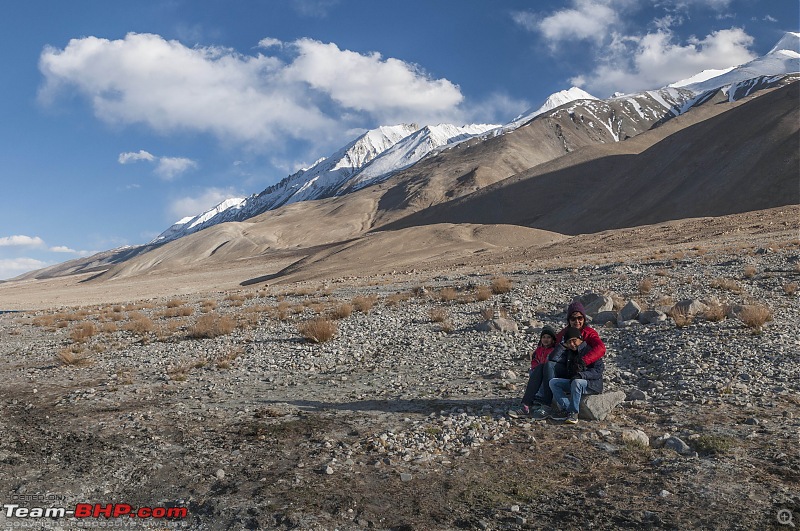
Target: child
(581, 377)
(537, 392)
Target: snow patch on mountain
(555, 100)
(705, 75)
(191, 224)
(782, 59)
(411, 150)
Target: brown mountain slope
(741, 160)
(666, 173)
(474, 165)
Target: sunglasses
(576, 318)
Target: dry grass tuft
(727, 284)
(501, 285)
(342, 311)
(175, 303)
(235, 299)
(749, 271)
(438, 315)
(448, 294)
(177, 311)
(645, 286)
(483, 293)
(363, 303)
(318, 330)
(83, 331)
(139, 324)
(715, 312)
(281, 312)
(755, 316)
(208, 305)
(681, 316)
(212, 325)
(68, 356)
(790, 288)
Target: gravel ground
(400, 420)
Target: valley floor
(214, 401)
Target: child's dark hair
(548, 330)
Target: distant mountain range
(380, 153)
(403, 175)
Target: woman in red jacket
(576, 316)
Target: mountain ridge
(573, 131)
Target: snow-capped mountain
(576, 116)
(191, 224)
(557, 99)
(369, 159)
(783, 58)
(410, 150)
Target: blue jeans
(575, 388)
(538, 388)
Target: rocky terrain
(219, 402)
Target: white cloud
(269, 42)
(628, 60)
(170, 167)
(311, 92)
(21, 241)
(167, 168)
(587, 20)
(389, 89)
(192, 206)
(126, 158)
(12, 267)
(770, 18)
(656, 60)
(68, 250)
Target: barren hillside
(743, 159)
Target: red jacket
(540, 355)
(596, 347)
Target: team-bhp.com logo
(95, 510)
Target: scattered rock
(678, 445)
(595, 303)
(689, 307)
(650, 317)
(630, 311)
(605, 318)
(636, 394)
(636, 437)
(500, 324)
(597, 407)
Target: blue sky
(119, 118)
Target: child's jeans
(576, 388)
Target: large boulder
(597, 407)
(652, 317)
(604, 318)
(689, 307)
(630, 311)
(595, 303)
